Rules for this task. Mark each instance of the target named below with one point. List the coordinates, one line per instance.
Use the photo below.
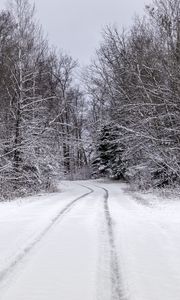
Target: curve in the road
(19, 257)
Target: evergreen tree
(110, 150)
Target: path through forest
(92, 240)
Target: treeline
(41, 109)
(127, 128)
(134, 85)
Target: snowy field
(93, 240)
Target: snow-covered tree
(134, 82)
(109, 150)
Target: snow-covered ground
(93, 240)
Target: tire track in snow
(116, 280)
(20, 256)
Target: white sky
(76, 25)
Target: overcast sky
(76, 25)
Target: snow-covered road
(91, 241)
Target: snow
(125, 248)
(148, 242)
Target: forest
(120, 120)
